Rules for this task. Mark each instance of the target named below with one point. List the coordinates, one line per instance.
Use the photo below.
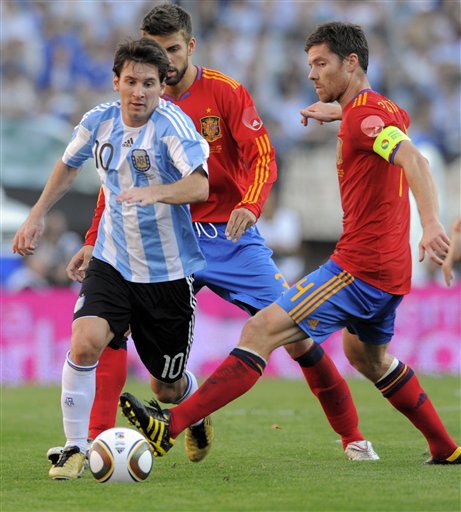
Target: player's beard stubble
(177, 76)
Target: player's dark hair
(342, 39)
(166, 19)
(145, 51)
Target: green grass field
(253, 466)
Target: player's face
(179, 52)
(329, 73)
(140, 90)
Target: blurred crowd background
(56, 62)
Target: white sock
(77, 397)
(192, 386)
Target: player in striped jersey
(359, 289)
(141, 273)
(239, 265)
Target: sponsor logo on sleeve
(251, 119)
(372, 126)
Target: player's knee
(89, 338)
(168, 393)
(84, 353)
(251, 331)
(257, 335)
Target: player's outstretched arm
(321, 112)
(454, 253)
(28, 235)
(434, 241)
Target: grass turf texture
(274, 451)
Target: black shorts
(161, 316)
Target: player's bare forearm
(28, 235)
(321, 112)
(434, 240)
(191, 189)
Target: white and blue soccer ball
(120, 455)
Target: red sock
(111, 376)
(333, 393)
(401, 387)
(237, 374)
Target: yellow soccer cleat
(70, 466)
(199, 439)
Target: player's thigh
(104, 295)
(162, 326)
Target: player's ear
(191, 46)
(352, 61)
(116, 82)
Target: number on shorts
(173, 366)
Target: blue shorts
(242, 273)
(329, 299)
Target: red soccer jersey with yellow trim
(242, 160)
(375, 243)
(241, 165)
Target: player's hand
(141, 196)
(78, 264)
(321, 112)
(239, 221)
(454, 253)
(434, 242)
(27, 236)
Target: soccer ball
(120, 455)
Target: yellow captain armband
(387, 140)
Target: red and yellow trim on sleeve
(262, 170)
(217, 75)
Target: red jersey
(241, 165)
(375, 243)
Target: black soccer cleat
(454, 458)
(150, 420)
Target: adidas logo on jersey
(313, 323)
(128, 143)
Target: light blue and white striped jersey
(155, 243)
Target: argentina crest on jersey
(140, 159)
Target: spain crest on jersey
(140, 159)
(211, 128)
